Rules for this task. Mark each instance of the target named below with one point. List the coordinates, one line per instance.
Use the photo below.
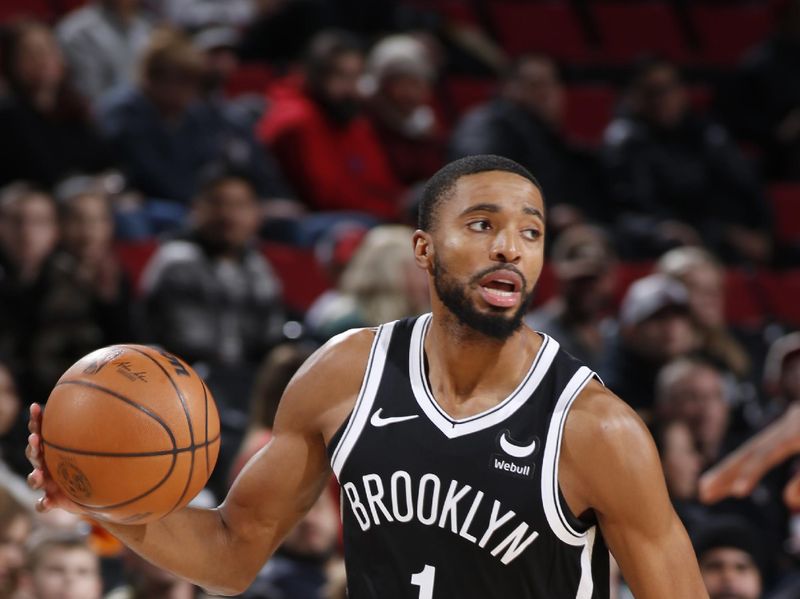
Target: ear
(423, 250)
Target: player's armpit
(609, 464)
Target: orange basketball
(131, 433)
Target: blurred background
(237, 180)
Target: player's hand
(739, 473)
(39, 478)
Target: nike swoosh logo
(517, 451)
(378, 420)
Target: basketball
(130, 433)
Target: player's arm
(609, 464)
(223, 549)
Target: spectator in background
(762, 102)
(692, 390)
(677, 179)
(164, 135)
(731, 559)
(782, 375)
(381, 283)
(525, 123)
(193, 15)
(47, 132)
(62, 565)
(300, 567)
(15, 527)
(146, 581)
(655, 327)
(682, 465)
(102, 42)
(211, 297)
(271, 380)
(56, 306)
(399, 79)
(704, 279)
(325, 145)
(579, 316)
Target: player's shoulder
(601, 421)
(331, 377)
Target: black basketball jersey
(437, 508)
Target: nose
(505, 247)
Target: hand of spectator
(739, 473)
(39, 478)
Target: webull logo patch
(502, 463)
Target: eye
(532, 234)
(479, 225)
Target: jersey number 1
(424, 580)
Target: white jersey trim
(451, 427)
(552, 450)
(366, 397)
(586, 584)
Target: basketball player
(477, 460)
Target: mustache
(509, 267)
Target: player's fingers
(35, 420)
(36, 479)
(44, 504)
(33, 450)
(791, 494)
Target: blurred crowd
(192, 135)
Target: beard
(494, 324)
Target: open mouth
(501, 288)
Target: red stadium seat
(780, 290)
(37, 9)
(549, 27)
(455, 11)
(727, 31)
(785, 201)
(589, 108)
(459, 93)
(302, 278)
(253, 78)
(629, 30)
(134, 256)
(743, 307)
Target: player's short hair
(441, 184)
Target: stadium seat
(549, 27)
(134, 256)
(302, 278)
(251, 77)
(37, 9)
(727, 30)
(780, 290)
(743, 305)
(630, 30)
(700, 96)
(589, 109)
(459, 93)
(785, 201)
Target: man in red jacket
(326, 148)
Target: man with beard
(476, 458)
(324, 144)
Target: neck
(469, 371)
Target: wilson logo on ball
(73, 480)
